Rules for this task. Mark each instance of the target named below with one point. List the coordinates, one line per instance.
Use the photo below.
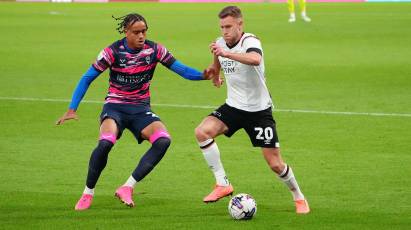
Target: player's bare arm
(251, 58)
(214, 71)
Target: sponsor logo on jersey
(228, 65)
(133, 79)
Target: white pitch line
(213, 107)
(345, 113)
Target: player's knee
(160, 138)
(201, 134)
(163, 134)
(108, 137)
(197, 132)
(103, 147)
(277, 166)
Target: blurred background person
(291, 9)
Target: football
(242, 207)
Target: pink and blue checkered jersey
(131, 71)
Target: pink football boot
(84, 202)
(125, 194)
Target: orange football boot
(218, 193)
(301, 207)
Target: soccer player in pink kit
(248, 106)
(132, 61)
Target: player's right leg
(98, 161)
(156, 133)
(205, 133)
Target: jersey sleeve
(252, 44)
(186, 71)
(104, 60)
(82, 87)
(164, 56)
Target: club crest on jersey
(148, 59)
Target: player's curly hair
(128, 20)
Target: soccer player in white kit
(248, 106)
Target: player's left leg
(286, 175)
(160, 140)
(303, 11)
(263, 133)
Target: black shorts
(127, 116)
(260, 126)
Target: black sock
(151, 158)
(98, 161)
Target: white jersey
(246, 88)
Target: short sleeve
(251, 42)
(104, 60)
(164, 56)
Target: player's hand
(218, 81)
(209, 73)
(69, 115)
(212, 74)
(217, 50)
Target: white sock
(292, 15)
(212, 156)
(89, 191)
(287, 176)
(131, 182)
(303, 14)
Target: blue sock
(98, 161)
(151, 158)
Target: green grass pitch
(354, 169)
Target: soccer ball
(242, 207)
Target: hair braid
(128, 20)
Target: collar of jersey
(235, 44)
(128, 49)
